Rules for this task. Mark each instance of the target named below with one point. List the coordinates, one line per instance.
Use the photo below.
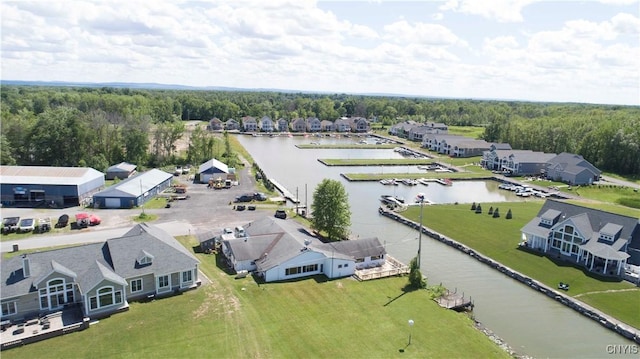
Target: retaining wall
(582, 308)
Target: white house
(277, 249)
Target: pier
(455, 301)
(285, 193)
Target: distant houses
(601, 242)
(300, 125)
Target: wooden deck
(285, 193)
(455, 301)
(391, 267)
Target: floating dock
(285, 193)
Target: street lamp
(410, 329)
(420, 198)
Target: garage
(34, 186)
(134, 191)
(112, 202)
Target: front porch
(43, 327)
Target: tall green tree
(416, 280)
(330, 208)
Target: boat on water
(444, 181)
(389, 182)
(409, 182)
(423, 181)
(392, 200)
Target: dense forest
(97, 127)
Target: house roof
(122, 167)
(590, 223)
(42, 175)
(271, 241)
(213, 163)
(136, 186)
(113, 260)
(573, 163)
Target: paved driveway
(205, 210)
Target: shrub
(509, 215)
(478, 209)
(490, 210)
(496, 213)
(473, 206)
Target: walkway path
(607, 291)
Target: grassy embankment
(498, 238)
(311, 318)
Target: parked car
(245, 198)
(10, 225)
(259, 196)
(26, 225)
(251, 208)
(94, 220)
(281, 213)
(63, 221)
(241, 207)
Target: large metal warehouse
(33, 186)
(134, 191)
(213, 169)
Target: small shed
(213, 169)
(133, 191)
(122, 170)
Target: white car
(26, 225)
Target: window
(163, 282)
(9, 308)
(56, 294)
(186, 276)
(105, 297)
(136, 285)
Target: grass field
(311, 318)
(498, 238)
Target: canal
(531, 323)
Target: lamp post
(410, 329)
(420, 198)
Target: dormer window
(144, 258)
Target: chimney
(26, 266)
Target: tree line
(97, 127)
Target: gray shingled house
(572, 169)
(277, 249)
(602, 242)
(101, 278)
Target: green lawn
(498, 238)
(311, 318)
(376, 161)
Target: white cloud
(499, 10)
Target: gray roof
(271, 241)
(573, 163)
(42, 175)
(113, 260)
(213, 163)
(122, 167)
(590, 223)
(135, 186)
(526, 156)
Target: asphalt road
(205, 210)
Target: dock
(455, 301)
(285, 193)
(444, 181)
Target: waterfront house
(282, 125)
(215, 124)
(327, 126)
(342, 125)
(572, 169)
(402, 129)
(231, 125)
(277, 249)
(516, 162)
(359, 124)
(313, 124)
(602, 242)
(265, 124)
(298, 125)
(101, 278)
(249, 124)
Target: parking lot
(206, 209)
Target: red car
(94, 220)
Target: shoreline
(603, 319)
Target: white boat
(409, 182)
(423, 181)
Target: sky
(530, 50)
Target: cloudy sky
(578, 51)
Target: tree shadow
(406, 289)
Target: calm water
(530, 322)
